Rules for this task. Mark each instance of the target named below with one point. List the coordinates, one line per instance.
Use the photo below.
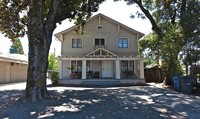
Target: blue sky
(115, 10)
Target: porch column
(141, 69)
(117, 69)
(84, 69)
(60, 69)
(136, 64)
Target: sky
(118, 11)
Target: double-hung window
(99, 41)
(122, 42)
(76, 42)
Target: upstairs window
(99, 41)
(76, 42)
(122, 42)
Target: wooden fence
(154, 74)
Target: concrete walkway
(135, 102)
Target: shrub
(54, 78)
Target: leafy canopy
(14, 13)
(176, 26)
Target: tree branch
(149, 16)
(183, 6)
(65, 16)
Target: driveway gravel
(133, 102)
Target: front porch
(100, 66)
(106, 68)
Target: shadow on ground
(102, 103)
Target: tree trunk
(38, 53)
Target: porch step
(101, 83)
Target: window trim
(122, 42)
(99, 26)
(77, 38)
(99, 38)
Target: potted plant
(72, 69)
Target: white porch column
(84, 69)
(136, 67)
(141, 69)
(117, 69)
(60, 69)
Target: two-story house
(106, 50)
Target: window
(88, 68)
(122, 42)
(124, 65)
(127, 65)
(99, 41)
(77, 65)
(131, 65)
(76, 42)
(100, 27)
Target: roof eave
(93, 17)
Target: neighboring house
(107, 49)
(13, 68)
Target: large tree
(167, 19)
(38, 19)
(190, 22)
(16, 47)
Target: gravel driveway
(135, 102)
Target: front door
(107, 69)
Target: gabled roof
(100, 52)
(57, 35)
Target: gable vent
(99, 27)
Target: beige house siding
(107, 61)
(12, 70)
(110, 32)
(18, 72)
(3, 72)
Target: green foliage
(53, 63)
(165, 49)
(54, 78)
(190, 23)
(12, 22)
(149, 49)
(15, 18)
(16, 47)
(176, 27)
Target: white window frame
(122, 42)
(76, 41)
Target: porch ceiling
(100, 58)
(100, 54)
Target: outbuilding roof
(15, 58)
